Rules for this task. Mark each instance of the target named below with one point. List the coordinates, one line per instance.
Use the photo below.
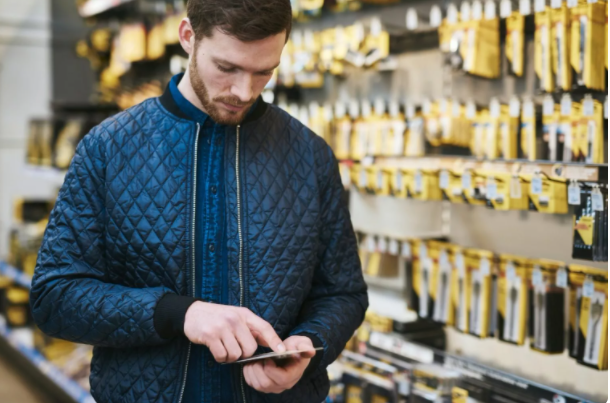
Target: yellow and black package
(515, 32)
(492, 131)
(342, 129)
(376, 44)
(5, 284)
(380, 262)
(529, 131)
(589, 316)
(432, 126)
(359, 177)
(480, 49)
(379, 123)
(546, 307)
(461, 282)
(398, 187)
(553, 148)
(590, 241)
(379, 180)
(513, 279)
(478, 141)
(450, 184)
(17, 302)
(587, 41)
(509, 132)
(424, 281)
(506, 191)
(473, 187)
(439, 253)
(409, 253)
(592, 144)
(479, 264)
(560, 19)
(547, 194)
(360, 129)
(543, 49)
(422, 184)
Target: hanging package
(513, 280)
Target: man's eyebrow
(228, 64)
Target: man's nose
(243, 88)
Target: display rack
(515, 385)
(32, 363)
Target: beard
(218, 114)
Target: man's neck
(186, 89)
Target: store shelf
(398, 347)
(50, 175)
(95, 7)
(566, 170)
(32, 361)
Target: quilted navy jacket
(120, 239)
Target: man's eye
(225, 69)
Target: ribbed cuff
(169, 315)
(316, 359)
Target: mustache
(234, 101)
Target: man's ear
(187, 36)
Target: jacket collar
(169, 103)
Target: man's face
(228, 75)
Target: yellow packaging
(461, 294)
(492, 137)
(589, 316)
(547, 194)
(394, 144)
(591, 130)
(342, 129)
(379, 125)
(422, 184)
(459, 395)
(359, 177)
(513, 290)
(547, 312)
(473, 188)
(376, 47)
(439, 253)
(515, 29)
(450, 183)
(560, 18)
(478, 144)
(543, 48)
(432, 124)
(579, 144)
(480, 49)
(480, 265)
(508, 134)
(550, 134)
(586, 58)
(415, 143)
(360, 138)
(528, 131)
(398, 187)
(156, 42)
(506, 191)
(379, 180)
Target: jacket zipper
(188, 354)
(241, 249)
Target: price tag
(574, 194)
(572, 3)
(410, 111)
(484, 267)
(452, 14)
(555, 3)
(435, 16)
(597, 200)
(382, 245)
(537, 279)
(398, 180)
(506, 8)
(511, 272)
(566, 104)
(514, 107)
(591, 1)
(536, 185)
(444, 180)
(354, 109)
(466, 180)
(588, 288)
(587, 106)
(368, 160)
(423, 252)
(515, 187)
(548, 106)
(394, 109)
(405, 250)
(426, 106)
(365, 109)
(411, 19)
(528, 109)
(465, 11)
(525, 7)
(490, 10)
(562, 278)
(370, 244)
(539, 5)
(456, 108)
(443, 261)
(379, 106)
(362, 179)
(418, 181)
(379, 180)
(492, 189)
(471, 110)
(393, 247)
(494, 108)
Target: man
(193, 228)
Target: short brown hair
(246, 20)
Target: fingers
(286, 376)
(218, 350)
(261, 381)
(233, 350)
(250, 378)
(264, 333)
(246, 341)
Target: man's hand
(267, 377)
(229, 332)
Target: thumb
(310, 350)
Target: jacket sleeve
(70, 297)
(338, 298)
